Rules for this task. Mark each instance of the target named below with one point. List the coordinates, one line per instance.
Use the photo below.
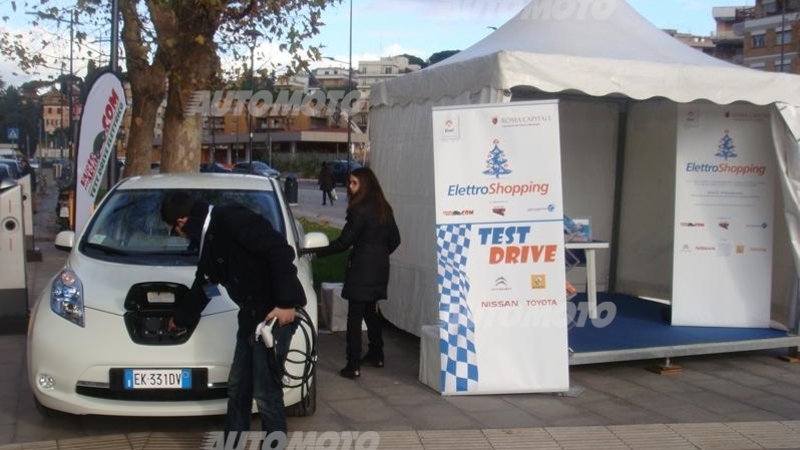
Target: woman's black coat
(367, 272)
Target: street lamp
(252, 40)
(213, 140)
(349, 88)
(783, 31)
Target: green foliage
(18, 112)
(439, 56)
(415, 60)
(329, 269)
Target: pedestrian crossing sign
(12, 133)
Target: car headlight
(66, 297)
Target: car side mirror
(65, 240)
(313, 241)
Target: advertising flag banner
(724, 209)
(101, 120)
(500, 249)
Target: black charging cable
(306, 356)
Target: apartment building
(704, 44)
(55, 119)
(770, 34)
(728, 45)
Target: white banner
(724, 201)
(500, 248)
(100, 123)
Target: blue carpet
(642, 324)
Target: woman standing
(370, 230)
(326, 183)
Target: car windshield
(128, 226)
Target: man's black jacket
(245, 254)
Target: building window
(387, 70)
(783, 37)
(785, 67)
(759, 40)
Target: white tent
(619, 80)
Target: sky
(415, 27)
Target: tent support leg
(792, 355)
(667, 368)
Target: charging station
(32, 253)
(13, 280)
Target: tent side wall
(588, 169)
(785, 134)
(647, 214)
(401, 142)
(646, 237)
(402, 158)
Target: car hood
(106, 284)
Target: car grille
(153, 395)
(114, 390)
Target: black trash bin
(290, 189)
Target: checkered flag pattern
(456, 326)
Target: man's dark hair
(176, 205)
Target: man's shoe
(350, 371)
(369, 360)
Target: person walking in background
(326, 183)
(240, 250)
(370, 230)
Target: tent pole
(622, 133)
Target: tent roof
(604, 47)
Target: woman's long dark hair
(370, 191)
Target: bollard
(290, 189)
(28, 197)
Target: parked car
(13, 167)
(101, 323)
(5, 172)
(34, 162)
(256, 167)
(213, 168)
(340, 170)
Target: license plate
(157, 379)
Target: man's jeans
(253, 377)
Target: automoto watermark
(286, 103)
(257, 440)
(541, 10)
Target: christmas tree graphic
(497, 164)
(726, 147)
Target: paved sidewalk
(732, 401)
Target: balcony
(766, 10)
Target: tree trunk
(148, 88)
(194, 67)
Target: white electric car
(101, 322)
